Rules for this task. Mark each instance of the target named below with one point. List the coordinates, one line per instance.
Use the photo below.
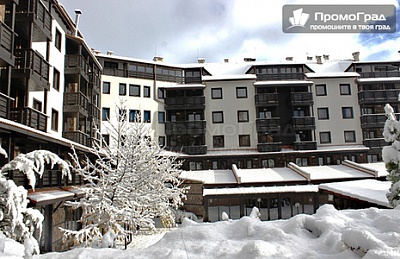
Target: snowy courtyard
(366, 233)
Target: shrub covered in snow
(16, 220)
(391, 154)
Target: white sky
(183, 30)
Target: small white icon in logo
(299, 18)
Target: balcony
(181, 102)
(4, 105)
(303, 123)
(95, 81)
(305, 145)
(33, 11)
(266, 99)
(77, 64)
(77, 136)
(185, 127)
(304, 98)
(31, 64)
(269, 147)
(268, 125)
(280, 76)
(373, 120)
(190, 150)
(378, 96)
(76, 103)
(29, 117)
(375, 143)
(6, 45)
(380, 74)
(94, 111)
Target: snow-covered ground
(367, 233)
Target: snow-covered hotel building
(252, 126)
(256, 114)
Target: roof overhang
(283, 82)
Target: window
(345, 89)
(195, 166)
(349, 136)
(161, 141)
(216, 93)
(37, 105)
(134, 116)
(122, 89)
(268, 163)
(106, 87)
(106, 114)
(320, 90)
(244, 140)
(161, 117)
(106, 140)
(134, 90)
(241, 92)
(243, 116)
(54, 120)
(217, 117)
(218, 141)
(56, 79)
(161, 93)
(301, 161)
(325, 137)
(57, 40)
(147, 116)
(146, 91)
(323, 114)
(347, 112)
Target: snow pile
(367, 233)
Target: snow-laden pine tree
(17, 221)
(391, 155)
(128, 183)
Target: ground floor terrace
(281, 193)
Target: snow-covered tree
(17, 221)
(391, 155)
(128, 183)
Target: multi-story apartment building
(253, 114)
(50, 99)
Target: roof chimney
(158, 59)
(201, 60)
(319, 59)
(110, 52)
(95, 51)
(249, 59)
(326, 57)
(289, 58)
(356, 56)
(78, 13)
(226, 60)
(309, 58)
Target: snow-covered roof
(330, 172)
(335, 74)
(210, 176)
(269, 175)
(284, 82)
(260, 189)
(379, 167)
(369, 190)
(45, 197)
(230, 77)
(378, 79)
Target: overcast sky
(182, 31)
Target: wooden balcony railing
(266, 99)
(269, 147)
(34, 61)
(302, 98)
(185, 127)
(192, 102)
(77, 136)
(378, 96)
(266, 125)
(307, 122)
(380, 74)
(29, 117)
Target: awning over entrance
(45, 197)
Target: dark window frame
(132, 93)
(353, 136)
(218, 141)
(146, 91)
(328, 135)
(325, 93)
(323, 109)
(217, 90)
(347, 91)
(247, 115)
(122, 89)
(105, 111)
(237, 92)
(344, 113)
(54, 119)
(241, 139)
(215, 113)
(106, 88)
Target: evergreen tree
(128, 183)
